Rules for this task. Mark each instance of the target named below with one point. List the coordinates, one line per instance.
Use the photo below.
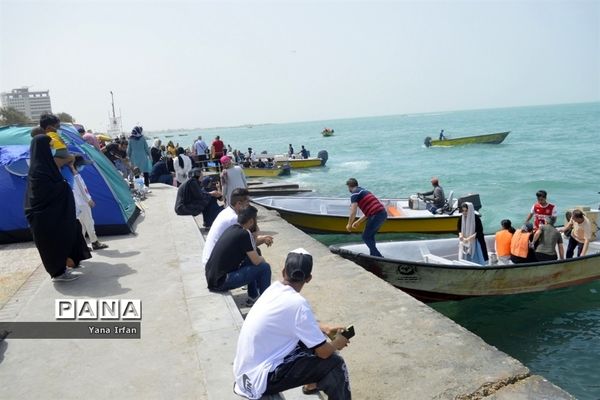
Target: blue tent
(115, 209)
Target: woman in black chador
(50, 211)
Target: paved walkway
(403, 349)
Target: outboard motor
(427, 141)
(471, 198)
(323, 156)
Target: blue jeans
(374, 222)
(257, 277)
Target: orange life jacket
(503, 241)
(519, 245)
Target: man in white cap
(281, 344)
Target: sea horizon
(252, 125)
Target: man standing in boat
(442, 137)
(541, 209)
(373, 211)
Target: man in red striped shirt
(373, 211)
(541, 209)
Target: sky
(194, 64)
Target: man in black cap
(281, 344)
(193, 199)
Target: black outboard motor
(471, 198)
(323, 156)
(427, 141)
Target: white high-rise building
(32, 104)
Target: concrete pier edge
(402, 348)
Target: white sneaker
(67, 276)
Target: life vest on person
(519, 245)
(503, 242)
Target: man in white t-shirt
(281, 344)
(240, 199)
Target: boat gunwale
(339, 250)
(276, 208)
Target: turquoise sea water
(556, 148)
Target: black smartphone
(348, 332)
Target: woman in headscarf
(50, 211)
(183, 165)
(471, 245)
(139, 153)
(155, 151)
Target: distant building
(32, 104)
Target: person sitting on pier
(162, 172)
(193, 199)
(235, 262)
(437, 200)
(281, 344)
(240, 199)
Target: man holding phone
(281, 344)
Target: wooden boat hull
(301, 163)
(402, 268)
(493, 138)
(333, 219)
(327, 134)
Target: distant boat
(430, 270)
(492, 138)
(267, 172)
(300, 162)
(327, 132)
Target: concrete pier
(402, 349)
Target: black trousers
(573, 244)
(302, 367)
(202, 159)
(545, 257)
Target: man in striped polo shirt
(373, 211)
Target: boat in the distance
(431, 271)
(330, 215)
(327, 132)
(309, 162)
(491, 138)
(283, 170)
